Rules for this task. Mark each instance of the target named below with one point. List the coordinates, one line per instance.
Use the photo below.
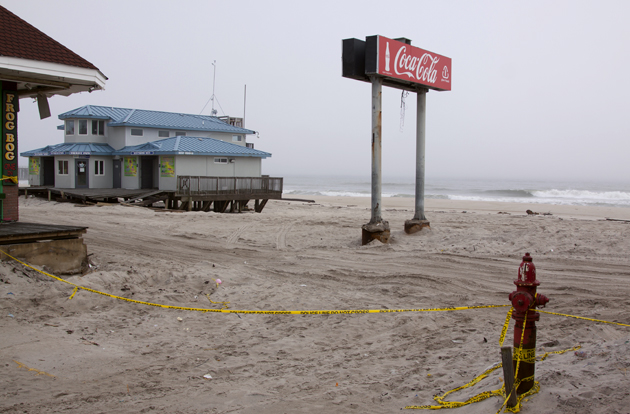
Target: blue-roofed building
(109, 147)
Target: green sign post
(10, 108)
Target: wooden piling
(508, 374)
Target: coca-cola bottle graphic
(387, 57)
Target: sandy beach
(101, 355)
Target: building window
(237, 138)
(137, 132)
(69, 127)
(250, 145)
(83, 127)
(180, 134)
(63, 167)
(163, 134)
(99, 168)
(220, 160)
(98, 127)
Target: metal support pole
(419, 220)
(376, 228)
(420, 139)
(377, 87)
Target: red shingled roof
(21, 40)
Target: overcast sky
(539, 88)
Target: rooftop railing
(191, 185)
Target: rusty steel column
(377, 128)
(376, 228)
(419, 220)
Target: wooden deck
(20, 232)
(194, 193)
(201, 193)
(93, 195)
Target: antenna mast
(244, 105)
(214, 77)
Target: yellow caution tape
(536, 387)
(74, 292)
(275, 312)
(522, 398)
(454, 404)
(12, 178)
(21, 365)
(518, 364)
(505, 326)
(546, 354)
(304, 312)
(525, 355)
(582, 317)
(225, 304)
(520, 354)
(507, 397)
(487, 394)
(479, 397)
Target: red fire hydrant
(524, 299)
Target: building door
(81, 174)
(117, 174)
(48, 171)
(146, 172)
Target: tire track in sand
(233, 239)
(281, 237)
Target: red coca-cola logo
(422, 68)
(402, 61)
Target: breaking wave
(497, 191)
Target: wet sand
(106, 355)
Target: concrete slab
(59, 257)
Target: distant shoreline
(536, 193)
(487, 207)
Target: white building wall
(152, 134)
(228, 137)
(87, 138)
(64, 180)
(214, 169)
(205, 166)
(101, 181)
(248, 167)
(190, 165)
(116, 137)
(241, 167)
(120, 136)
(136, 140)
(35, 180)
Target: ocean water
(546, 192)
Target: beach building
(35, 66)
(109, 147)
(32, 65)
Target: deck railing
(190, 185)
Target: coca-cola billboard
(399, 60)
